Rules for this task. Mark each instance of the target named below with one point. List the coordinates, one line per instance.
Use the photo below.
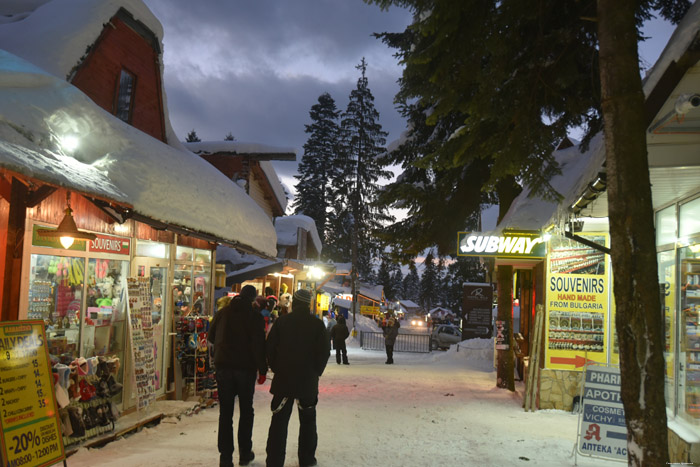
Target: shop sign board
(502, 339)
(29, 422)
(507, 244)
(109, 244)
(477, 303)
(370, 310)
(602, 431)
(577, 303)
(53, 242)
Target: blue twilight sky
(255, 68)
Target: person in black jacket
(339, 333)
(297, 351)
(238, 335)
(391, 331)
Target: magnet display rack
(193, 355)
(579, 260)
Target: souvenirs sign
(29, 423)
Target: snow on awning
(528, 212)
(117, 161)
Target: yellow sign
(29, 422)
(577, 304)
(369, 310)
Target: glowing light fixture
(70, 143)
(67, 231)
(316, 272)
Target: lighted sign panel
(577, 303)
(509, 244)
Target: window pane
(124, 94)
(689, 391)
(667, 286)
(666, 226)
(690, 218)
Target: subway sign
(507, 244)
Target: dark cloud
(255, 68)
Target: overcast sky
(255, 68)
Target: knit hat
(249, 292)
(302, 295)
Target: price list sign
(29, 422)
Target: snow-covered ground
(438, 409)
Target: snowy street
(440, 408)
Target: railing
(419, 343)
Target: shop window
(56, 297)
(184, 253)
(125, 96)
(667, 286)
(690, 219)
(689, 374)
(152, 249)
(666, 226)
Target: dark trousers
(341, 350)
(232, 383)
(390, 353)
(277, 436)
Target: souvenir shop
(109, 305)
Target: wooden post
(13, 251)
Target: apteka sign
(505, 245)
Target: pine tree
(384, 279)
(463, 269)
(397, 281)
(429, 285)
(316, 171)
(362, 140)
(229, 137)
(192, 137)
(411, 283)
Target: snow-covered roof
(409, 304)
(56, 35)
(117, 161)
(262, 152)
(286, 227)
(343, 268)
(441, 311)
(577, 169)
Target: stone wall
(558, 388)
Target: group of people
(296, 349)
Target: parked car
(444, 335)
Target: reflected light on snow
(70, 143)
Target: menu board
(29, 422)
(140, 318)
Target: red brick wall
(98, 76)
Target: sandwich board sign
(30, 427)
(602, 430)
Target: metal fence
(419, 343)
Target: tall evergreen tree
(463, 269)
(317, 170)
(429, 283)
(362, 140)
(411, 284)
(396, 281)
(229, 137)
(192, 137)
(384, 279)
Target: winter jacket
(238, 335)
(390, 333)
(297, 351)
(339, 333)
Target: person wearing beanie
(339, 333)
(297, 352)
(238, 335)
(390, 330)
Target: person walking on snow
(339, 333)
(238, 335)
(297, 351)
(391, 330)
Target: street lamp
(67, 231)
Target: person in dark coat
(297, 351)
(391, 330)
(238, 335)
(339, 333)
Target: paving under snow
(427, 409)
